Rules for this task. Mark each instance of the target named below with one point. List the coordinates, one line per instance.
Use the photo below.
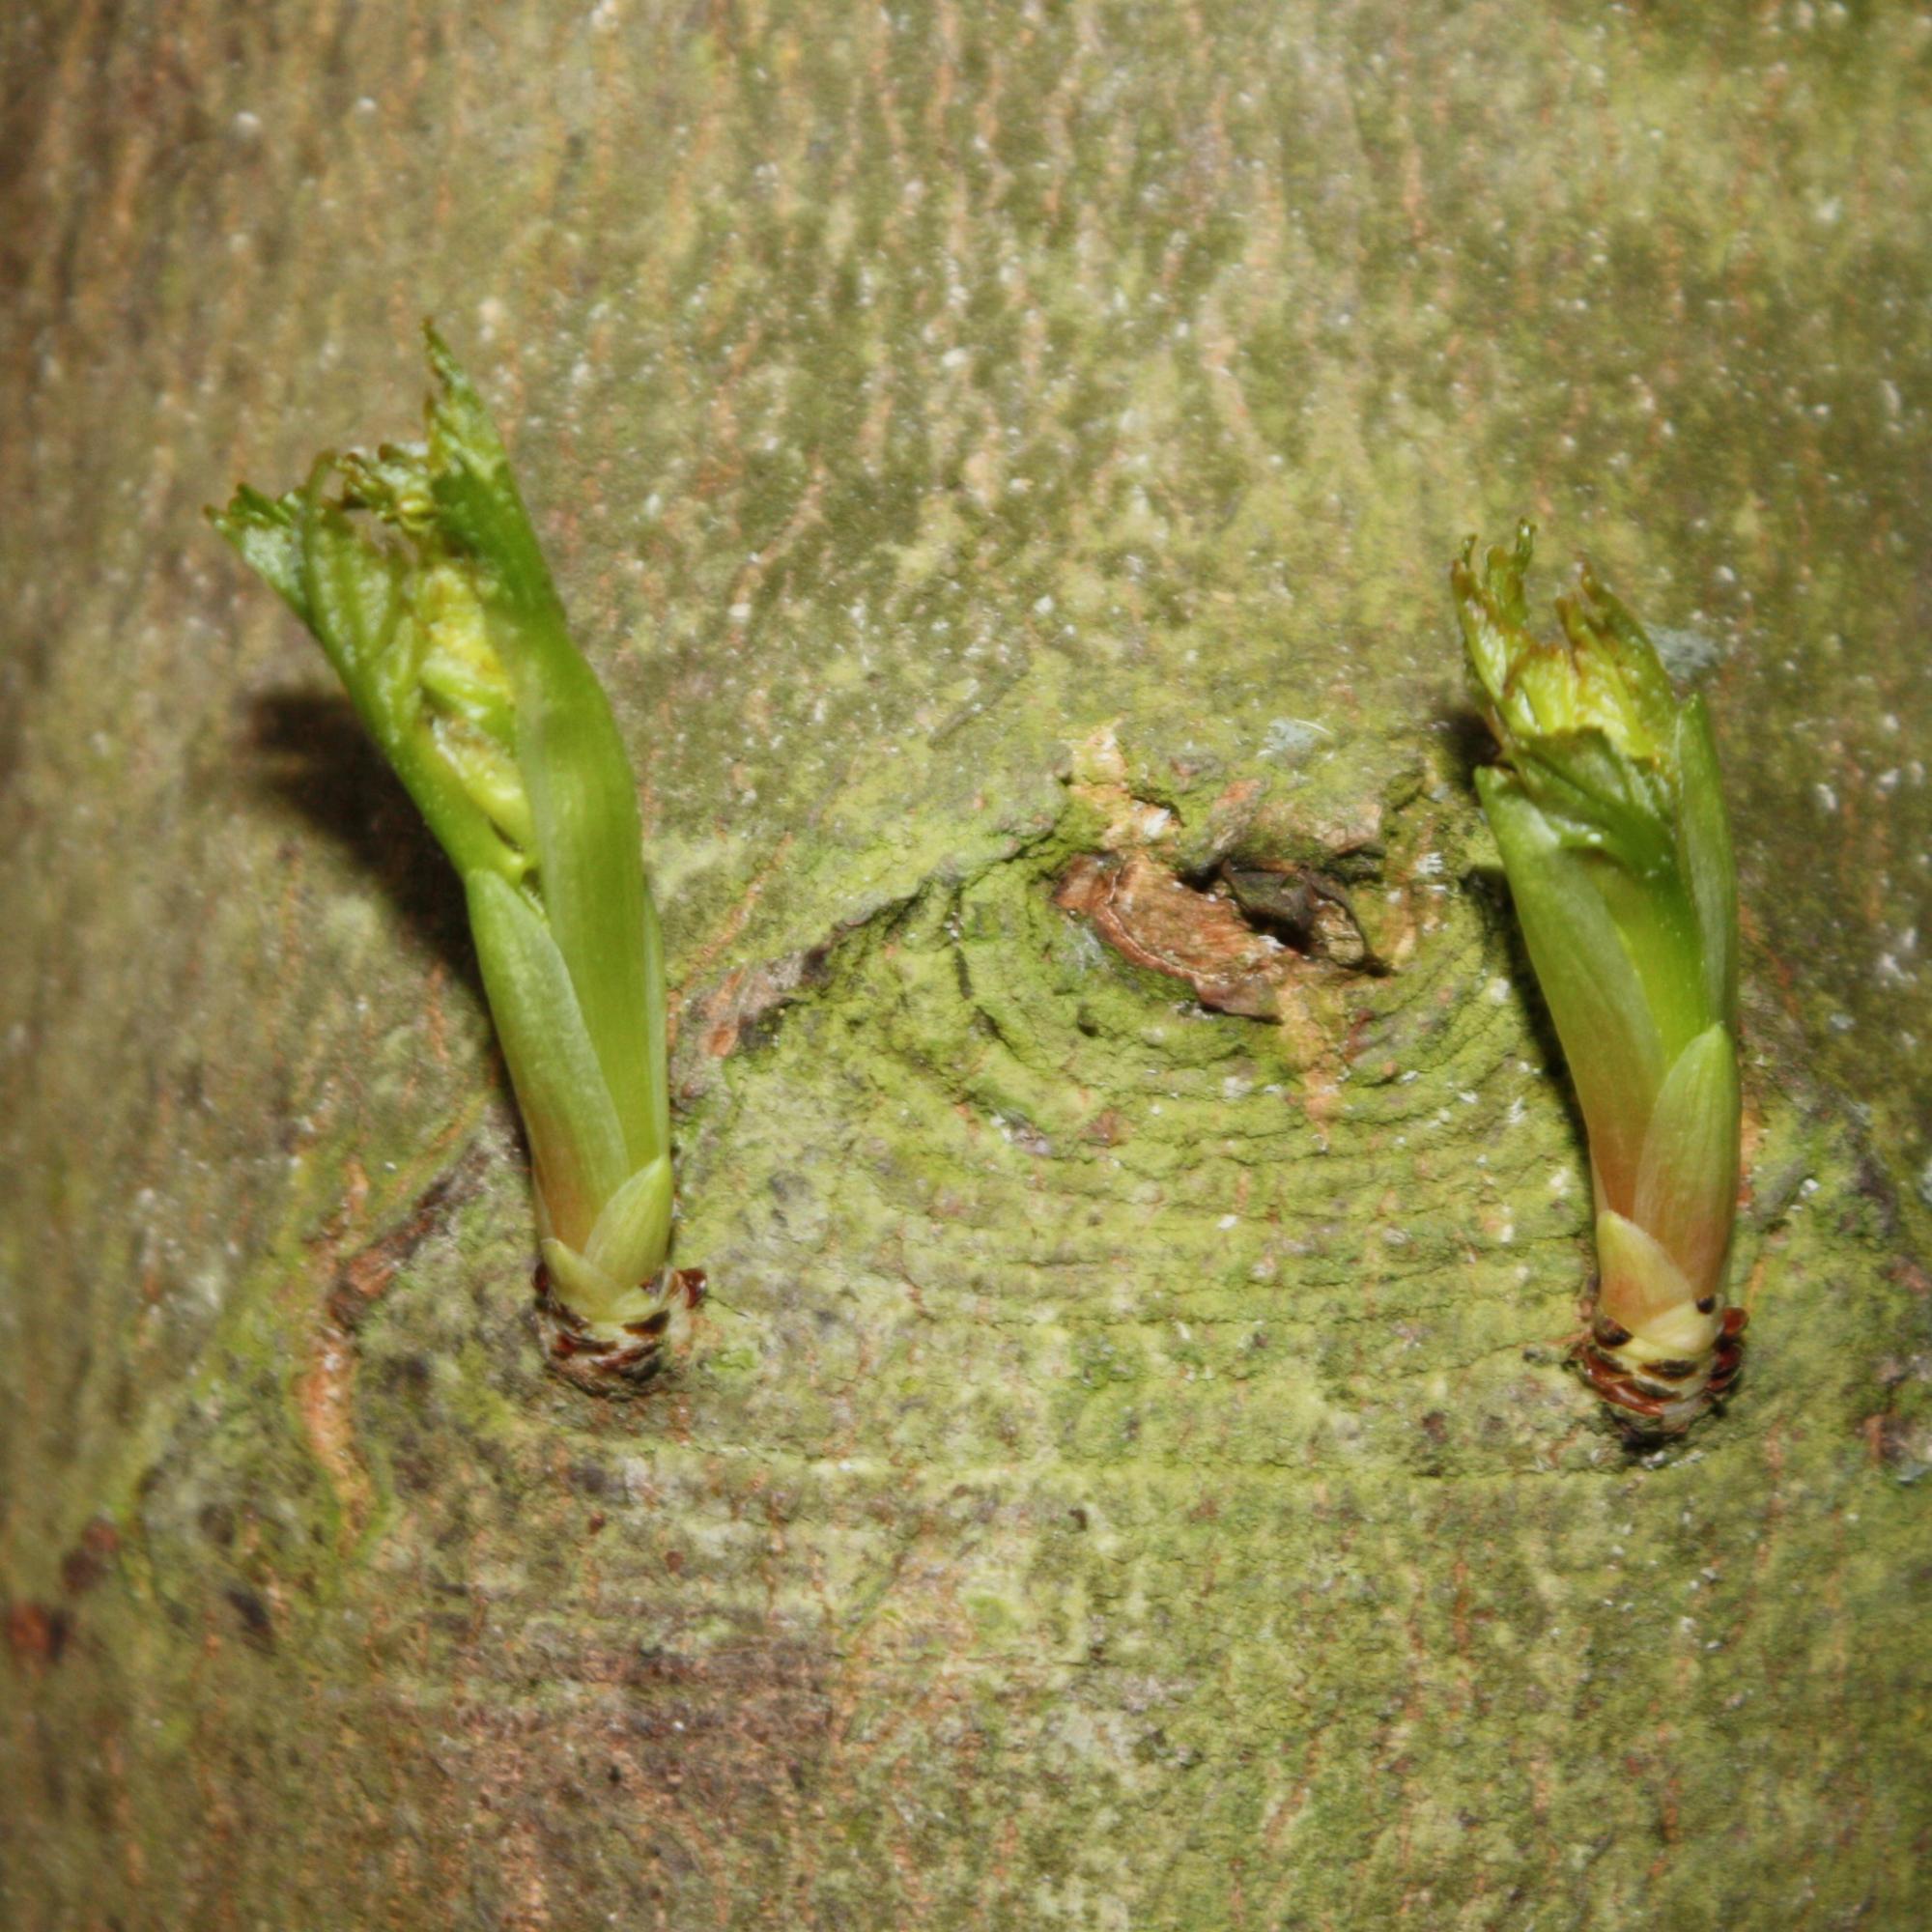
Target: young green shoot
(419, 574)
(1610, 815)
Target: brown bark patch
(324, 1388)
(84, 1565)
(1149, 915)
(36, 1633)
(732, 1014)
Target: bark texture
(1125, 1477)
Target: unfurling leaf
(1610, 816)
(418, 572)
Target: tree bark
(1125, 1475)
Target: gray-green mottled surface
(1126, 1479)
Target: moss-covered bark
(1126, 1478)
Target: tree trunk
(1126, 1475)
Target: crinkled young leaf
(477, 502)
(1602, 677)
(1598, 798)
(1600, 628)
(357, 593)
(264, 532)
(461, 670)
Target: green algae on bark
(449, 634)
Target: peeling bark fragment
(1146, 915)
(364, 1277)
(1149, 916)
(325, 1387)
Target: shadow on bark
(309, 755)
(1471, 744)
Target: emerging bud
(418, 572)
(1610, 816)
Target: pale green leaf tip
(632, 1236)
(450, 380)
(586, 1287)
(442, 361)
(462, 432)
